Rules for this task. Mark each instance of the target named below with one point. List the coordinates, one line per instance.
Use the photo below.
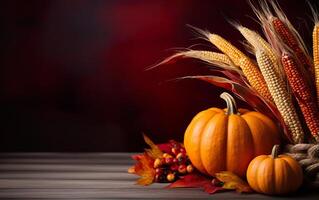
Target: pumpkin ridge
(273, 172)
(283, 173)
(226, 139)
(259, 187)
(253, 172)
(200, 142)
(274, 176)
(189, 133)
(293, 171)
(266, 120)
(252, 135)
(266, 134)
(203, 152)
(260, 174)
(238, 135)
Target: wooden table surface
(91, 176)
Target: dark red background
(72, 72)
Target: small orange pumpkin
(273, 174)
(227, 140)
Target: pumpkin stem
(275, 151)
(231, 103)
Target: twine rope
(308, 157)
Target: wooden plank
(88, 160)
(68, 184)
(63, 167)
(138, 193)
(90, 176)
(68, 175)
(146, 193)
(67, 155)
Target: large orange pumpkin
(273, 174)
(218, 140)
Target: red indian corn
(302, 91)
(291, 40)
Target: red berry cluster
(172, 164)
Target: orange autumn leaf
(154, 151)
(131, 170)
(146, 170)
(143, 168)
(146, 178)
(233, 182)
(144, 165)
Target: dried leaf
(131, 170)
(190, 180)
(144, 168)
(137, 157)
(232, 181)
(211, 189)
(196, 181)
(144, 165)
(234, 76)
(135, 169)
(146, 179)
(155, 151)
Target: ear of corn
(255, 77)
(256, 41)
(226, 47)
(249, 68)
(280, 95)
(278, 29)
(291, 40)
(290, 36)
(302, 93)
(207, 56)
(315, 37)
(217, 59)
(285, 34)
